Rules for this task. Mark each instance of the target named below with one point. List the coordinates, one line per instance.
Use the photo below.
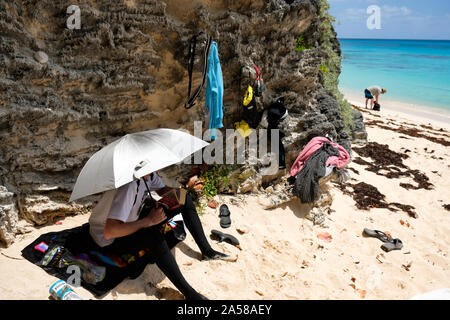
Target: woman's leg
(152, 239)
(194, 225)
(168, 265)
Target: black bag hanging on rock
(275, 113)
(251, 114)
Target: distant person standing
(373, 91)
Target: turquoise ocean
(413, 71)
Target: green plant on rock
(300, 45)
(200, 207)
(219, 179)
(323, 69)
(332, 64)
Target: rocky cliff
(65, 93)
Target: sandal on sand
(225, 221)
(378, 234)
(396, 244)
(225, 237)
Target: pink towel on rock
(314, 145)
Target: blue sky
(400, 19)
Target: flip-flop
(225, 237)
(225, 220)
(378, 234)
(397, 244)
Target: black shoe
(225, 220)
(225, 237)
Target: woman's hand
(156, 215)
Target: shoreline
(421, 114)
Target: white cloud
(355, 14)
(389, 11)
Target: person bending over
(372, 91)
(116, 228)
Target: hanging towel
(214, 91)
(314, 145)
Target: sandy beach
(282, 256)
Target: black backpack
(276, 112)
(251, 114)
(376, 106)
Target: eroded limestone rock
(8, 216)
(125, 71)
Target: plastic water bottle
(60, 290)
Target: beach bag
(243, 128)
(376, 106)
(276, 112)
(251, 114)
(258, 83)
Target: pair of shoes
(389, 243)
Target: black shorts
(368, 94)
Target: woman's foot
(212, 254)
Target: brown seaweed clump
(389, 163)
(367, 196)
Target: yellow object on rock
(248, 96)
(243, 128)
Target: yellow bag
(243, 128)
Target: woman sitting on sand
(372, 91)
(116, 228)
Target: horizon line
(405, 39)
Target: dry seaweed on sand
(389, 163)
(367, 196)
(382, 155)
(406, 208)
